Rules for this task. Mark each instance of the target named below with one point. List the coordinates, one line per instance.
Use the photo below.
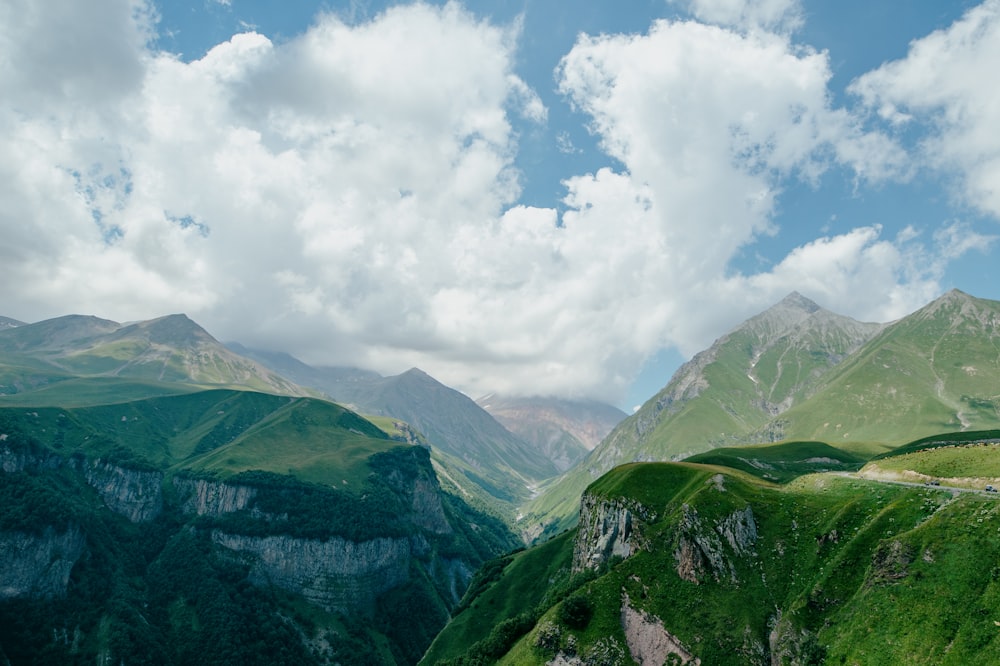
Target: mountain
(724, 394)
(330, 380)
(683, 563)
(474, 446)
(56, 356)
(935, 370)
(564, 430)
(225, 526)
(498, 460)
(7, 322)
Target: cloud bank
(351, 195)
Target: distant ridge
(7, 322)
(564, 430)
(170, 350)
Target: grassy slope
(934, 371)
(219, 431)
(824, 558)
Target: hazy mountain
(476, 444)
(760, 369)
(564, 430)
(936, 370)
(7, 322)
(330, 380)
(166, 350)
(500, 461)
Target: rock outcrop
(700, 551)
(19, 459)
(204, 497)
(135, 494)
(37, 566)
(607, 529)
(336, 574)
(648, 641)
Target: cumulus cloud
(945, 84)
(351, 195)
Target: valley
(804, 479)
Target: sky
(530, 197)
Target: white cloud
(350, 195)
(709, 124)
(947, 82)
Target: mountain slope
(734, 388)
(688, 564)
(454, 423)
(936, 370)
(225, 526)
(167, 350)
(563, 430)
(476, 448)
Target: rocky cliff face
(38, 565)
(648, 641)
(336, 574)
(607, 529)
(204, 497)
(135, 494)
(17, 459)
(700, 550)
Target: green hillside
(799, 373)
(176, 518)
(933, 371)
(171, 350)
(727, 569)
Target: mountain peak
(797, 301)
(174, 329)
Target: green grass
(824, 558)
(782, 462)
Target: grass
(782, 462)
(834, 558)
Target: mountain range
(127, 448)
(799, 372)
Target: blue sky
(531, 197)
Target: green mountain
(563, 430)
(225, 526)
(936, 370)
(683, 563)
(482, 455)
(79, 359)
(737, 386)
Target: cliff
(38, 565)
(607, 529)
(135, 494)
(336, 574)
(205, 497)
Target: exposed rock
(700, 550)
(336, 574)
(135, 494)
(428, 512)
(606, 530)
(649, 643)
(790, 646)
(890, 562)
(205, 497)
(38, 566)
(12, 461)
(739, 530)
